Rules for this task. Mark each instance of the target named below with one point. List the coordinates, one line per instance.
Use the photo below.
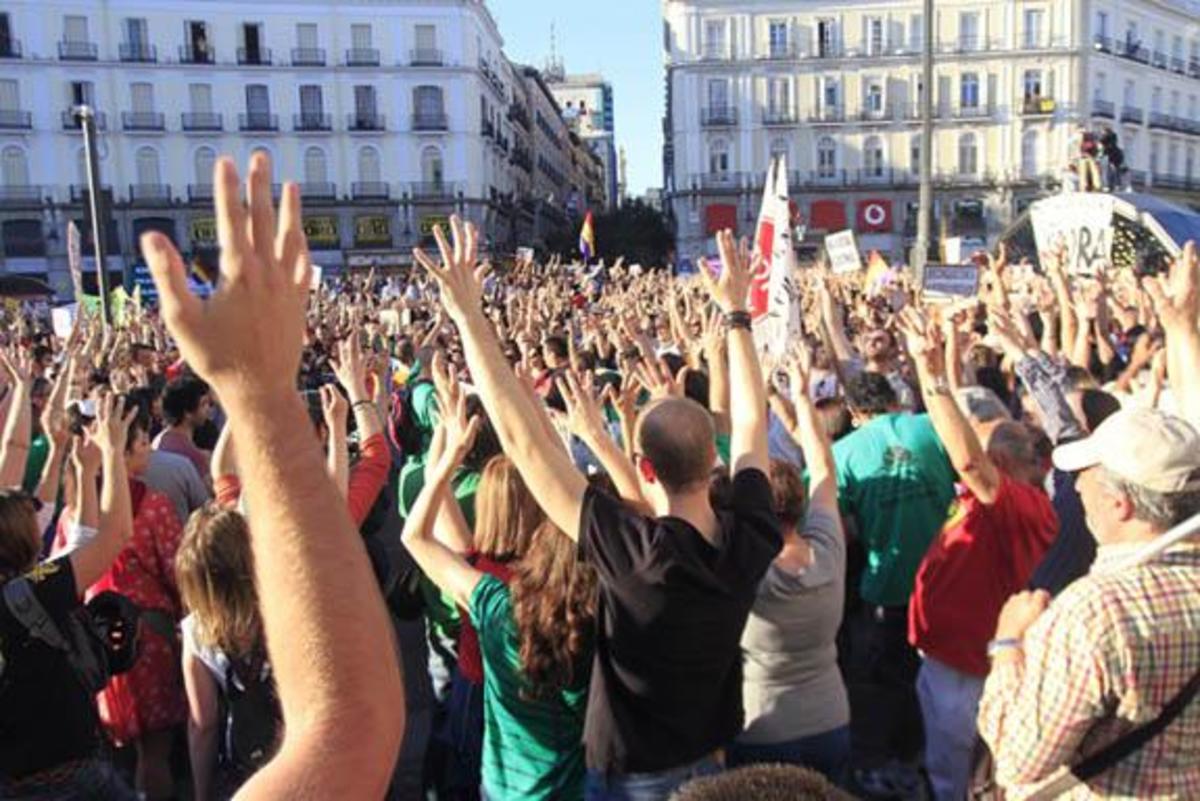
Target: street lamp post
(920, 251)
(87, 124)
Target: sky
(622, 40)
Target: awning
(827, 215)
(719, 216)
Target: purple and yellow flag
(587, 239)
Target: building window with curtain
(1029, 154)
(968, 94)
(873, 157)
(826, 157)
(968, 155)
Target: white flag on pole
(773, 305)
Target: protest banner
(946, 282)
(774, 310)
(1080, 221)
(843, 252)
(62, 320)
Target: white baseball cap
(1145, 447)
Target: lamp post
(87, 124)
(920, 252)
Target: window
(364, 104)
(148, 173)
(968, 155)
(831, 97)
(137, 34)
(1100, 90)
(427, 101)
(10, 95)
(360, 37)
(873, 157)
(75, 28)
(826, 157)
(1177, 49)
(916, 32)
(1029, 154)
(1173, 158)
(714, 38)
(1174, 110)
(6, 40)
(200, 98)
(431, 167)
(780, 149)
(1154, 156)
(777, 36)
(315, 170)
(968, 30)
(914, 154)
(1156, 100)
(1191, 107)
(141, 97)
(1102, 24)
(368, 165)
(258, 101)
(203, 161)
(1130, 95)
(826, 38)
(718, 94)
(1131, 34)
(873, 99)
(874, 36)
(1033, 84)
(14, 167)
(306, 36)
(1035, 20)
(1189, 163)
(82, 93)
(195, 33)
(718, 157)
(779, 97)
(252, 42)
(426, 38)
(1160, 45)
(968, 90)
(311, 105)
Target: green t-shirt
(532, 748)
(895, 480)
(35, 462)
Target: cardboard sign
(947, 282)
(1082, 221)
(62, 320)
(774, 309)
(843, 252)
(952, 250)
(317, 271)
(525, 254)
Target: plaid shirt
(1108, 654)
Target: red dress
(150, 696)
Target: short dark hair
(762, 783)
(696, 385)
(870, 393)
(1097, 406)
(557, 345)
(140, 422)
(1079, 378)
(676, 435)
(182, 397)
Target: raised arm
(91, 559)
(337, 451)
(810, 434)
(748, 402)
(328, 632)
(14, 446)
(966, 452)
(587, 423)
(1177, 300)
(54, 423)
(547, 470)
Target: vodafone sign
(875, 216)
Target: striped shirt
(532, 748)
(1108, 654)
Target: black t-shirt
(667, 679)
(46, 716)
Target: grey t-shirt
(177, 478)
(791, 684)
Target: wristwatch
(1003, 644)
(939, 387)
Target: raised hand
(334, 408)
(18, 366)
(924, 342)
(655, 376)
(584, 417)
(86, 456)
(624, 400)
(458, 432)
(1176, 296)
(350, 367)
(111, 428)
(445, 383)
(738, 265)
(458, 274)
(249, 334)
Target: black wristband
(738, 319)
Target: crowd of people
(549, 531)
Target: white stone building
(836, 87)
(392, 114)
(587, 105)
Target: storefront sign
(430, 220)
(368, 260)
(322, 232)
(372, 229)
(204, 231)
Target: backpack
(253, 718)
(403, 431)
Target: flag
(75, 259)
(587, 239)
(774, 309)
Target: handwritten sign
(1080, 221)
(843, 252)
(946, 282)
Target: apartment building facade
(587, 106)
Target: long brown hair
(554, 606)
(506, 513)
(20, 542)
(214, 568)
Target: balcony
(519, 114)
(138, 52)
(142, 121)
(20, 195)
(828, 114)
(200, 193)
(1159, 59)
(425, 57)
(362, 57)
(370, 190)
(779, 116)
(976, 112)
(1177, 65)
(487, 129)
(829, 50)
(201, 121)
(318, 190)
(871, 176)
(827, 177)
(782, 51)
(1160, 120)
(70, 120)
(1162, 181)
(727, 181)
(150, 194)
(1133, 51)
(10, 48)
(430, 121)
(69, 50)
(1132, 114)
(1104, 108)
(1103, 44)
(878, 116)
(1038, 106)
(312, 121)
(718, 116)
(431, 190)
(715, 51)
(254, 56)
(365, 121)
(308, 57)
(258, 121)
(79, 192)
(195, 54)
(1193, 67)
(14, 119)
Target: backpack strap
(25, 607)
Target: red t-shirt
(983, 555)
(470, 659)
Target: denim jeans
(93, 780)
(949, 704)
(881, 679)
(645, 786)
(827, 752)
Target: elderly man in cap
(1118, 645)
